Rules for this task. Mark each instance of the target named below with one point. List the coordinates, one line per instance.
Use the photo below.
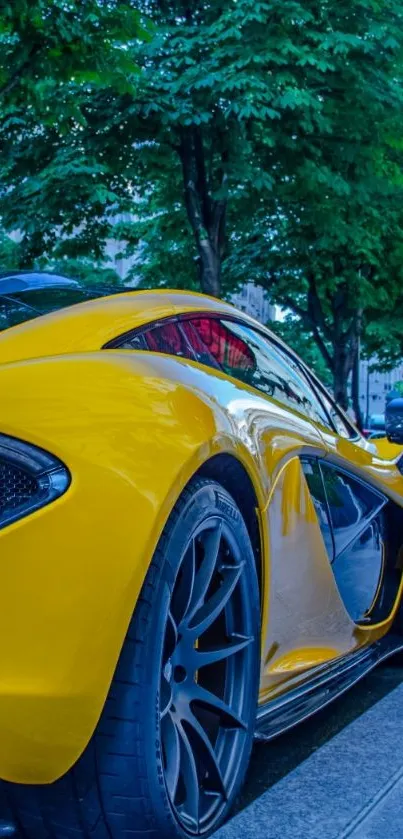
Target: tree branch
(15, 77)
(315, 308)
(202, 185)
(311, 324)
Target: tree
(56, 58)
(261, 142)
(331, 246)
(280, 125)
(329, 265)
(235, 96)
(47, 43)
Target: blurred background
(250, 149)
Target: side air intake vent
(30, 478)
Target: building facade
(253, 300)
(375, 386)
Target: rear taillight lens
(30, 478)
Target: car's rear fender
(132, 436)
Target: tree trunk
(355, 391)
(341, 371)
(209, 267)
(346, 357)
(206, 215)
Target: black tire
(118, 789)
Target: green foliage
(47, 44)
(56, 60)
(86, 270)
(259, 141)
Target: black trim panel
(321, 687)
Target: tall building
(252, 299)
(375, 386)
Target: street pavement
(339, 775)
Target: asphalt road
(272, 761)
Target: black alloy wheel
(207, 667)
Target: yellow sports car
(197, 548)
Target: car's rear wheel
(173, 743)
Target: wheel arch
(233, 476)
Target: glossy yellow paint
(133, 428)
(90, 325)
(308, 624)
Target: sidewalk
(351, 787)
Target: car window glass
(199, 346)
(313, 477)
(341, 425)
(229, 351)
(358, 569)
(51, 299)
(164, 338)
(20, 306)
(274, 374)
(13, 313)
(352, 505)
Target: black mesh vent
(17, 488)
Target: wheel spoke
(190, 779)
(165, 697)
(183, 590)
(170, 740)
(210, 610)
(202, 747)
(205, 707)
(214, 654)
(171, 638)
(206, 699)
(211, 542)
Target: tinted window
(343, 428)
(199, 346)
(51, 299)
(313, 477)
(24, 305)
(165, 338)
(356, 517)
(12, 312)
(228, 350)
(358, 569)
(172, 337)
(245, 354)
(352, 505)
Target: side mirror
(394, 421)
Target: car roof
(88, 326)
(15, 281)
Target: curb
(351, 788)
